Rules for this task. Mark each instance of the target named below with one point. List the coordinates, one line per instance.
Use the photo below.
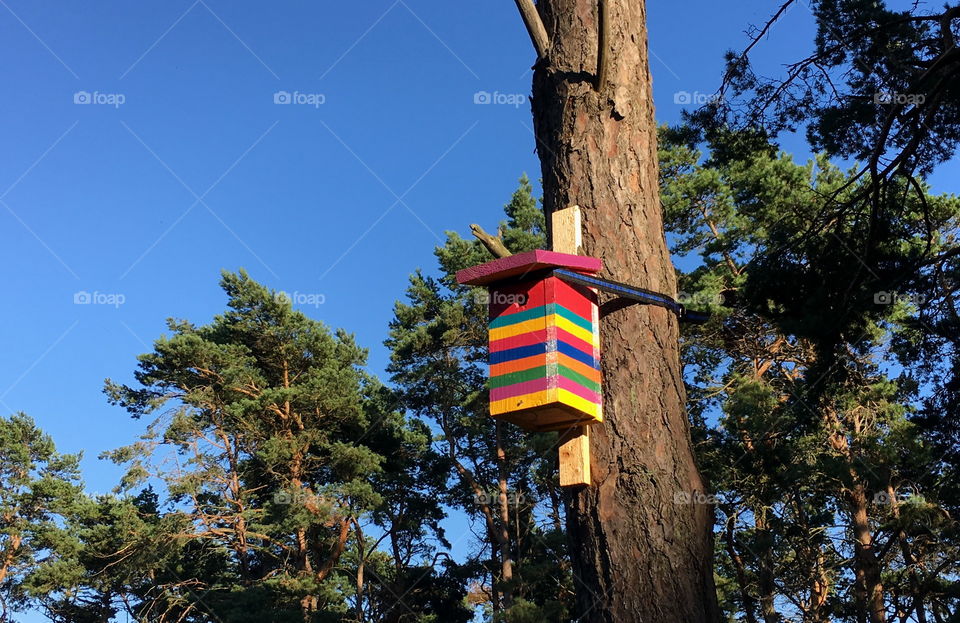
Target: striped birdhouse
(544, 340)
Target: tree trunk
(766, 572)
(637, 554)
(865, 555)
(361, 566)
(748, 603)
(909, 560)
(819, 591)
(868, 571)
(506, 559)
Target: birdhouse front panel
(544, 354)
(544, 340)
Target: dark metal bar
(634, 293)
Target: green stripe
(579, 378)
(540, 372)
(517, 377)
(576, 319)
(539, 312)
(509, 319)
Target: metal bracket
(640, 295)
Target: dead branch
(603, 36)
(493, 243)
(535, 27)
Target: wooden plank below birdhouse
(574, 456)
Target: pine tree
(40, 490)
(272, 446)
(814, 448)
(636, 556)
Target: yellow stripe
(572, 329)
(546, 397)
(526, 401)
(537, 324)
(581, 404)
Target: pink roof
(523, 263)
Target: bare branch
(535, 27)
(760, 34)
(494, 245)
(603, 36)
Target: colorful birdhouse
(544, 340)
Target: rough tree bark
(638, 554)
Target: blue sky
(144, 151)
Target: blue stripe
(517, 353)
(575, 353)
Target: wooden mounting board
(574, 444)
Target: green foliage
(879, 84)
(275, 451)
(809, 440)
(40, 490)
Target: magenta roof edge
(521, 263)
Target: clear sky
(323, 146)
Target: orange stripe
(578, 366)
(518, 365)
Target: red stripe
(539, 337)
(571, 339)
(515, 298)
(524, 339)
(578, 389)
(519, 389)
(575, 298)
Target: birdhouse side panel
(576, 323)
(522, 360)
